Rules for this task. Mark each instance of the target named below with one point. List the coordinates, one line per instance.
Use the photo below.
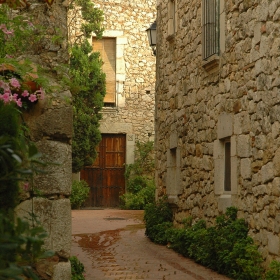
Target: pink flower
(26, 186)
(6, 97)
(32, 97)
(40, 93)
(19, 103)
(14, 83)
(29, 23)
(4, 85)
(5, 30)
(15, 96)
(25, 93)
(9, 32)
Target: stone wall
(199, 107)
(50, 124)
(135, 70)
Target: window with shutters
(210, 28)
(107, 49)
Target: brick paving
(112, 245)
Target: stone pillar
(50, 124)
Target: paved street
(112, 245)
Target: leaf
(17, 158)
(32, 150)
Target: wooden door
(106, 176)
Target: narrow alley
(112, 245)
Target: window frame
(210, 28)
(227, 165)
(113, 94)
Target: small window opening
(227, 180)
(111, 105)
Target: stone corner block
(245, 168)
(173, 140)
(57, 178)
(172, 199)
(61, 271)
(56, 123)
(243, 146)
(267, 172)
(276, 162)
(55, 217)
(224, 201)
(225, 125)
(273, 244)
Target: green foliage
(79, 193)
(19, 28)
(158, 219)
(77, 269)
(20, 247)
(143, 165)
(88, 89)
(19, 158)
(138, 200)
(92, 16)
(139, 176)
(88, 86)
(225, 247)
(9, 159)
(273, 273)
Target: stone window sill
(211, 63)
(109, 110)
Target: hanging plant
(24, 91)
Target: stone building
(128, 113)
(217, 117)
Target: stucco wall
(194, 105)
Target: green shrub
(273, 273)
(20, 247)
(138, 199)
(79, 193)
(158, 219)
(140, 184)
(225, 247)
(77, 269)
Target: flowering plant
(13, 89)
(18, 79)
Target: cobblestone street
(112, 245)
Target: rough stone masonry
(50, 124)
(232, 97)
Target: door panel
(106, 176)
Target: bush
(79, 194)
(20, 247)
(140, 184)
(138, 199)
(225, 247)
(77, 269)
(273, 272)
(158, 219)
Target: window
(210, 28)
(171, 18)
(107, 49)
(227, 175)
